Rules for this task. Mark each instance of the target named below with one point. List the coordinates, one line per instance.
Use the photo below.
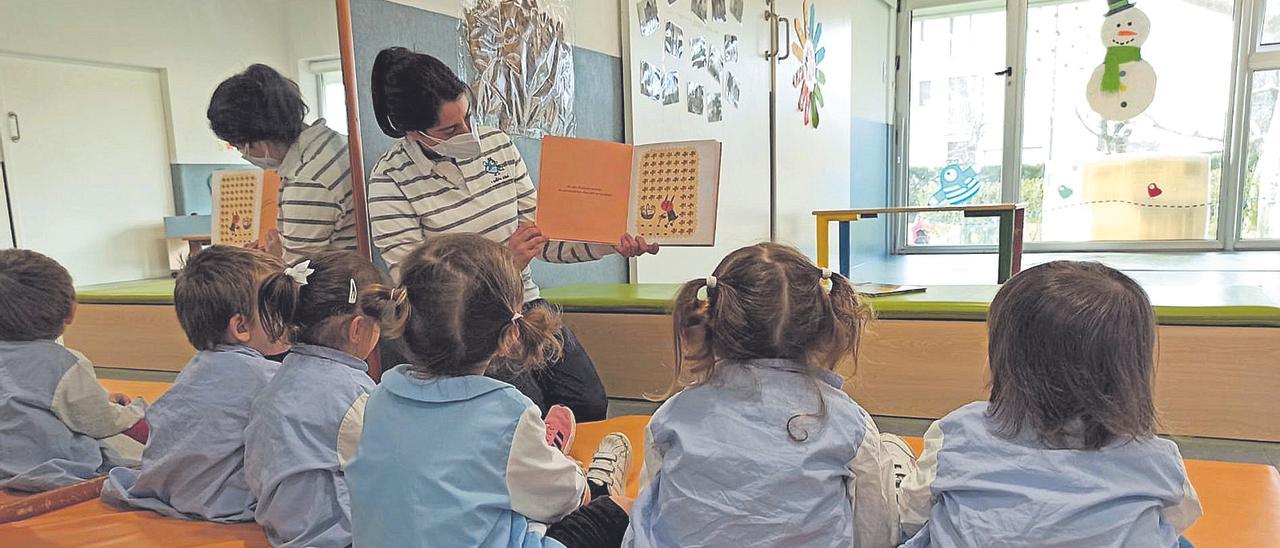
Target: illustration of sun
(809, 78)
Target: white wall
(195, 43)
(594, 26)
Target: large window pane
(1154, 177)
(957, 121)
(1260, 210)
(1271, 23)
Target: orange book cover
(246, 205)
(583, 190)
(595, 191)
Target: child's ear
(355, 328)
(240, 328)
(71, 317)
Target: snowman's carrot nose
(1127, 33)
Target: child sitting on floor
(193, 465)
(450, 457)
(306, 423)
(58, 426)
(764, 448)
(1064, 453)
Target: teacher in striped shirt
(444, 175)
(260, 112)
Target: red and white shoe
(561, 427)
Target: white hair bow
(300, 271)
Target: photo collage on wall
(699, 38)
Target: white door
(814, 101)
(86, 155)
(744, 213)
(6, 230)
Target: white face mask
(458, 147)
(261, 162)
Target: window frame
(1248, 54)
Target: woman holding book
(447, 175)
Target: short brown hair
(314, 313)
(1072, 351)
(465, 295)
(769, 301)
(38, 296)
(216, 284)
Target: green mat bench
(1218, 373)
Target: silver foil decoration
(647, 11)
(696, 95)
(730, 48)
(715, 112)
(520, 59)
(674, 43)
(735, 7)
(699, 8)
(718, 11)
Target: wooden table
(197, 243)
(1010, 215)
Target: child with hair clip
(193, 464)
(306, 423)
(450, 457)
(1065, 452)
(762, 447)
(58, 426)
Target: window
(330, 92)
(1153, 177)
(956, 143)
(1158, 180)
(1271, 23)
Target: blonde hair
(768, 301)
(465, 296)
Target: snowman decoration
(1124, 85)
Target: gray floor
(1192, 448)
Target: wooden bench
(1217, 376)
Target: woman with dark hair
(260, 112)
(447, 175)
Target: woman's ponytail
(408, 89)
(378, 89)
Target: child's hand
(635, 246)
(121, 398)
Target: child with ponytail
(450, 457)
(306, 423)
(762, 447)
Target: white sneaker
(898, 453)
(609, 465)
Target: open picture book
(245, 205)
(596, 191)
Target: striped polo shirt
(316, 210)
(414, 194)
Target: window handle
(1006, 72)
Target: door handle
(1006, 72)
(785, 47)
(15, 129)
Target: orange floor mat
(1241, 502)
(147, 390)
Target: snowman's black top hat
(1117, 6)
